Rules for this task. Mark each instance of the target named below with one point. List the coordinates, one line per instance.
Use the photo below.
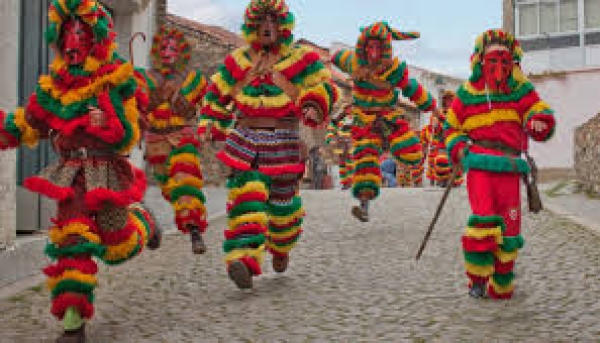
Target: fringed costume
(417, 170)
(489, 129)
(266, 88)
(377, 125)
(172, 148)
(339, 136)
(95, 186)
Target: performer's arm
(539, 120)
(190, 96)
(15, 129)
(344, 59)
(455, 136)
(411, 88)
(214, 114)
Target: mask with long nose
(497, 68)
(77, 42)
(268, 31)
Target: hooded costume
(264, 83)
(492, 130)
(97, 189)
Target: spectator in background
(318, 167)
(388, 171)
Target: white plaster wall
(575, 98)
(9, 33)
(561, 59)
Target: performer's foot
(280, 263)
(240, 274)
(154, 241)
(360, 214)
(477, 290)
(198, 246)
(73, 336)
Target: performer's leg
(442, 168)
(366, 181)
(285, 219)
(484, 231)
(245, 238)
(184, 190)
(508, 197)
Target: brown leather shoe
(198, 246)
(280, 263)
(154, 241)
(361, 215)
(74, 336)
(240, 274)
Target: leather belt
(167, 130)
(497, 146)
(268, 124)
(84, 153)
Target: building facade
(25, 55)
(561, 41)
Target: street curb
(37, 279)
(591, 226)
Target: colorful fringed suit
(172, 148)
(417, 170)
(339, 136)
(491, 130)
(377, 124)
(266, 90)
(96, 188)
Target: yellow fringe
(255, 217)
(408, 135)
(452, 120)
(264, 101)
(173, 120)
(506, 257)
(285, 220)
(501, 289)
(121, 251)
(257, 254)
(424, 96)
(395, 65)
(491, 118)
(481, 233)
(239, 55)
(29, 135)
(316, 78)
(371, 98)
(223, 87)
(367, 178)
(60, 234)
(536, 108)
(284, 235)
(74, 275)
(194, 204)
(142, 229)
(188, 181)
(185, 158)
(482, 271)
(282, 250)
(250, 187)
(296, 56)
(132, 115)
(414, 156)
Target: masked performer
(417, 170)
(339, 136)
(88, 107)
(487, 128)
(267, 87)
(377, 77)
(171, 144)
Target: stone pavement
(347, 282)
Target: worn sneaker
(477, 290)
(280, 263)
(240, 274)
(73, 336)
(198, 246)
(360, 214)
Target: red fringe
(296, 222)
(194, 217)
(378, 93)
(276, 253)
(95, 199)
(479, 245)
(322, 103)
(497, 296)
(42, 186)
(186, 169)
(189, 140)
(234, 69)
(477, 279)
(409, 150)
(540, 136)
(301, 65)
(365, 153)
(113, 131)
(285, 240)
(275, 170)
(267, 111)
(208, 111)
(119, 236)
(367, 171)
(157, 159)
(66, 300)
(404, 80)
(247, 197)
(12, 142)
(245, 229)
(503, 268)
(83, 264)
(252, 264)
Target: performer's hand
(97, 117)
(539, 126)
(461, 155)
(311, 113)
(167, 91)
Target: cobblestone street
(348, 282)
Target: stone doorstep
(21, 263)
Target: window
(537, 17)
(528, 17)
(568, 15)
(592, 14)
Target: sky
(448, 28)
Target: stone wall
(587, 154)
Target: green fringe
(72, 286)
(396, 76)
(186, 149)
(359, 187)
(499, 164)
(512, 243)
(287, 229)
(286, 244)
(479, 258)
(187, 190)
(194, 83)
(226, 75)
(55, 252)
(11, 127)
(475, 220)
(427, 103)
(241, 179)
(503, 279)
(358, 150)
(368, 104)
(245, 242)
(411, 88)
(121, 261)
(262, 90)
(309, 70)
(285, 210)
(404, 144)
(518, 92)
(247, 207)
(162, 179)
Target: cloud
(449, 60)
(212, 12)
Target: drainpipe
(581, 28)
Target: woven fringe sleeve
(146, 84)
(323, 95)
(15, 130)
(331, 132)
(194, 88)
(455, 137)
(214, 113)
(344, 59)
(540, 111)
(411, 88)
